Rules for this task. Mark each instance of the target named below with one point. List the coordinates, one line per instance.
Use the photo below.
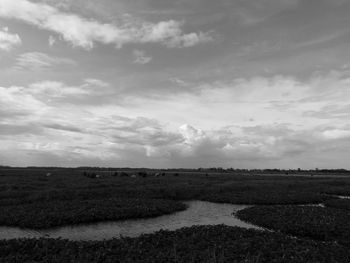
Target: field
(51, 197)
(196, 244)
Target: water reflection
(343, 196)
(198, 213)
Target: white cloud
(37, 98)
(179, 82)
(54, 89)
(87, 121)
(7, 40)
(85, 33)
(61, 94)
(336, 134)
(170, 33)
(96, 82)
(40, 61)
(191, 134)
(52, 40)
(140, 57)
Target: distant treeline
(187, 170)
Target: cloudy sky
(175, 83)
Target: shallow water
(198, 213)
(316, 205)
(343, 196)
(340, 196)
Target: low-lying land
(196, 244)
(19, 186)
(318, 223)
(57, 213)
(338, 203)
(52, 197)
(42, 198)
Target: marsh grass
(211, 244)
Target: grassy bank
(196, 244)
(338, 203)
(323, 224)
(57, 213)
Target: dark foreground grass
(196, 244)
(57, 213)
(338, 203)
(323, 224)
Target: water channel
(198, 213)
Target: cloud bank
(65, 122)
(85, 33)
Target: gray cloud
(40, 61)
(330, 112)
(62, 127)
(140, 57)
(142, 131)
(13, 129)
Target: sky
(175, 83)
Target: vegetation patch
(41, 215)
(266, 196)
(324, 224)
(195, 244)
(338, 203)
(20, 186)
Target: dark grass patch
(196, 244)
(324, 224)
(338, 190)
(58, 213)
(338, 203)
(71, 184)
(266, 197)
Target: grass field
(195, 244)
(30, 198)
